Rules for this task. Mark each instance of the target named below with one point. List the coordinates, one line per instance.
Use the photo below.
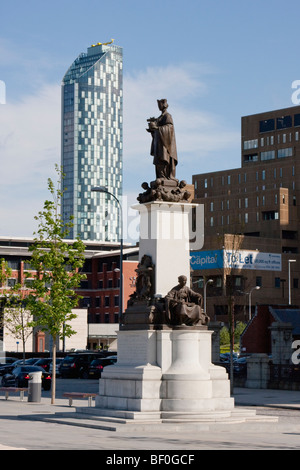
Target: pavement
(26, 426)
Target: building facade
(92, 139)
(98, 309)
(258, 206)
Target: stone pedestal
(167, 373)
(164, 235)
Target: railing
(284, 372)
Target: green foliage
(5, 272)
(225, 335)
(57, 264)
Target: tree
(57, 264)
(17, 317)
(5, 273)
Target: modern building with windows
(254, 209)
(92, 138)
(98, 308)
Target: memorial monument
(164, 372)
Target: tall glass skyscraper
(92, 136)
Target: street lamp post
(253, 288)
(290, 293)
(205, 286)
(102, 189)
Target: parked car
(96, 367)
(76, 364)
(58, 361)
(7, 368)
(20, 375)
(7, 360)
(225, 357)
(44, 363)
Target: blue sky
(214, 61)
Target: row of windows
(282, 122)
(270, 140)
(243, 218)
(237, 282)
(106, 301)
(269, 155)
(244, 203)
(242, 178)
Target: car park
(76, 364)
(19, 377)
(95, 368)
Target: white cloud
(30, 134)
(29, 149)
(200, 135)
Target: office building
(92, 123)
(99, 305)
(252, 213)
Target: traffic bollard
(35, 386)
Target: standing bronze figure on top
(163, 147)
(164, 151)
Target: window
(211, 207)
(116, 300)
(246, 218)
(263, 175)
(277, 282)
(270, 215)
(269, 155)
(284, 122)
(250, 144)
(267, 125)
(282, 153)
(253, 157)
(297, 120)
(107, 301)
(259, 281)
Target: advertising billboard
(237, 259)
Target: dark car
(96, 367)
(20, 375)
(44, 363)
(6, 368)
(7, 360)
(76, 364)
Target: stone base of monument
(165, 377)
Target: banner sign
(211, 259)
(237, 259)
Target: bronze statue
(145, 281)
(163, 146)
(184, 306)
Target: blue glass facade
(92, 136)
